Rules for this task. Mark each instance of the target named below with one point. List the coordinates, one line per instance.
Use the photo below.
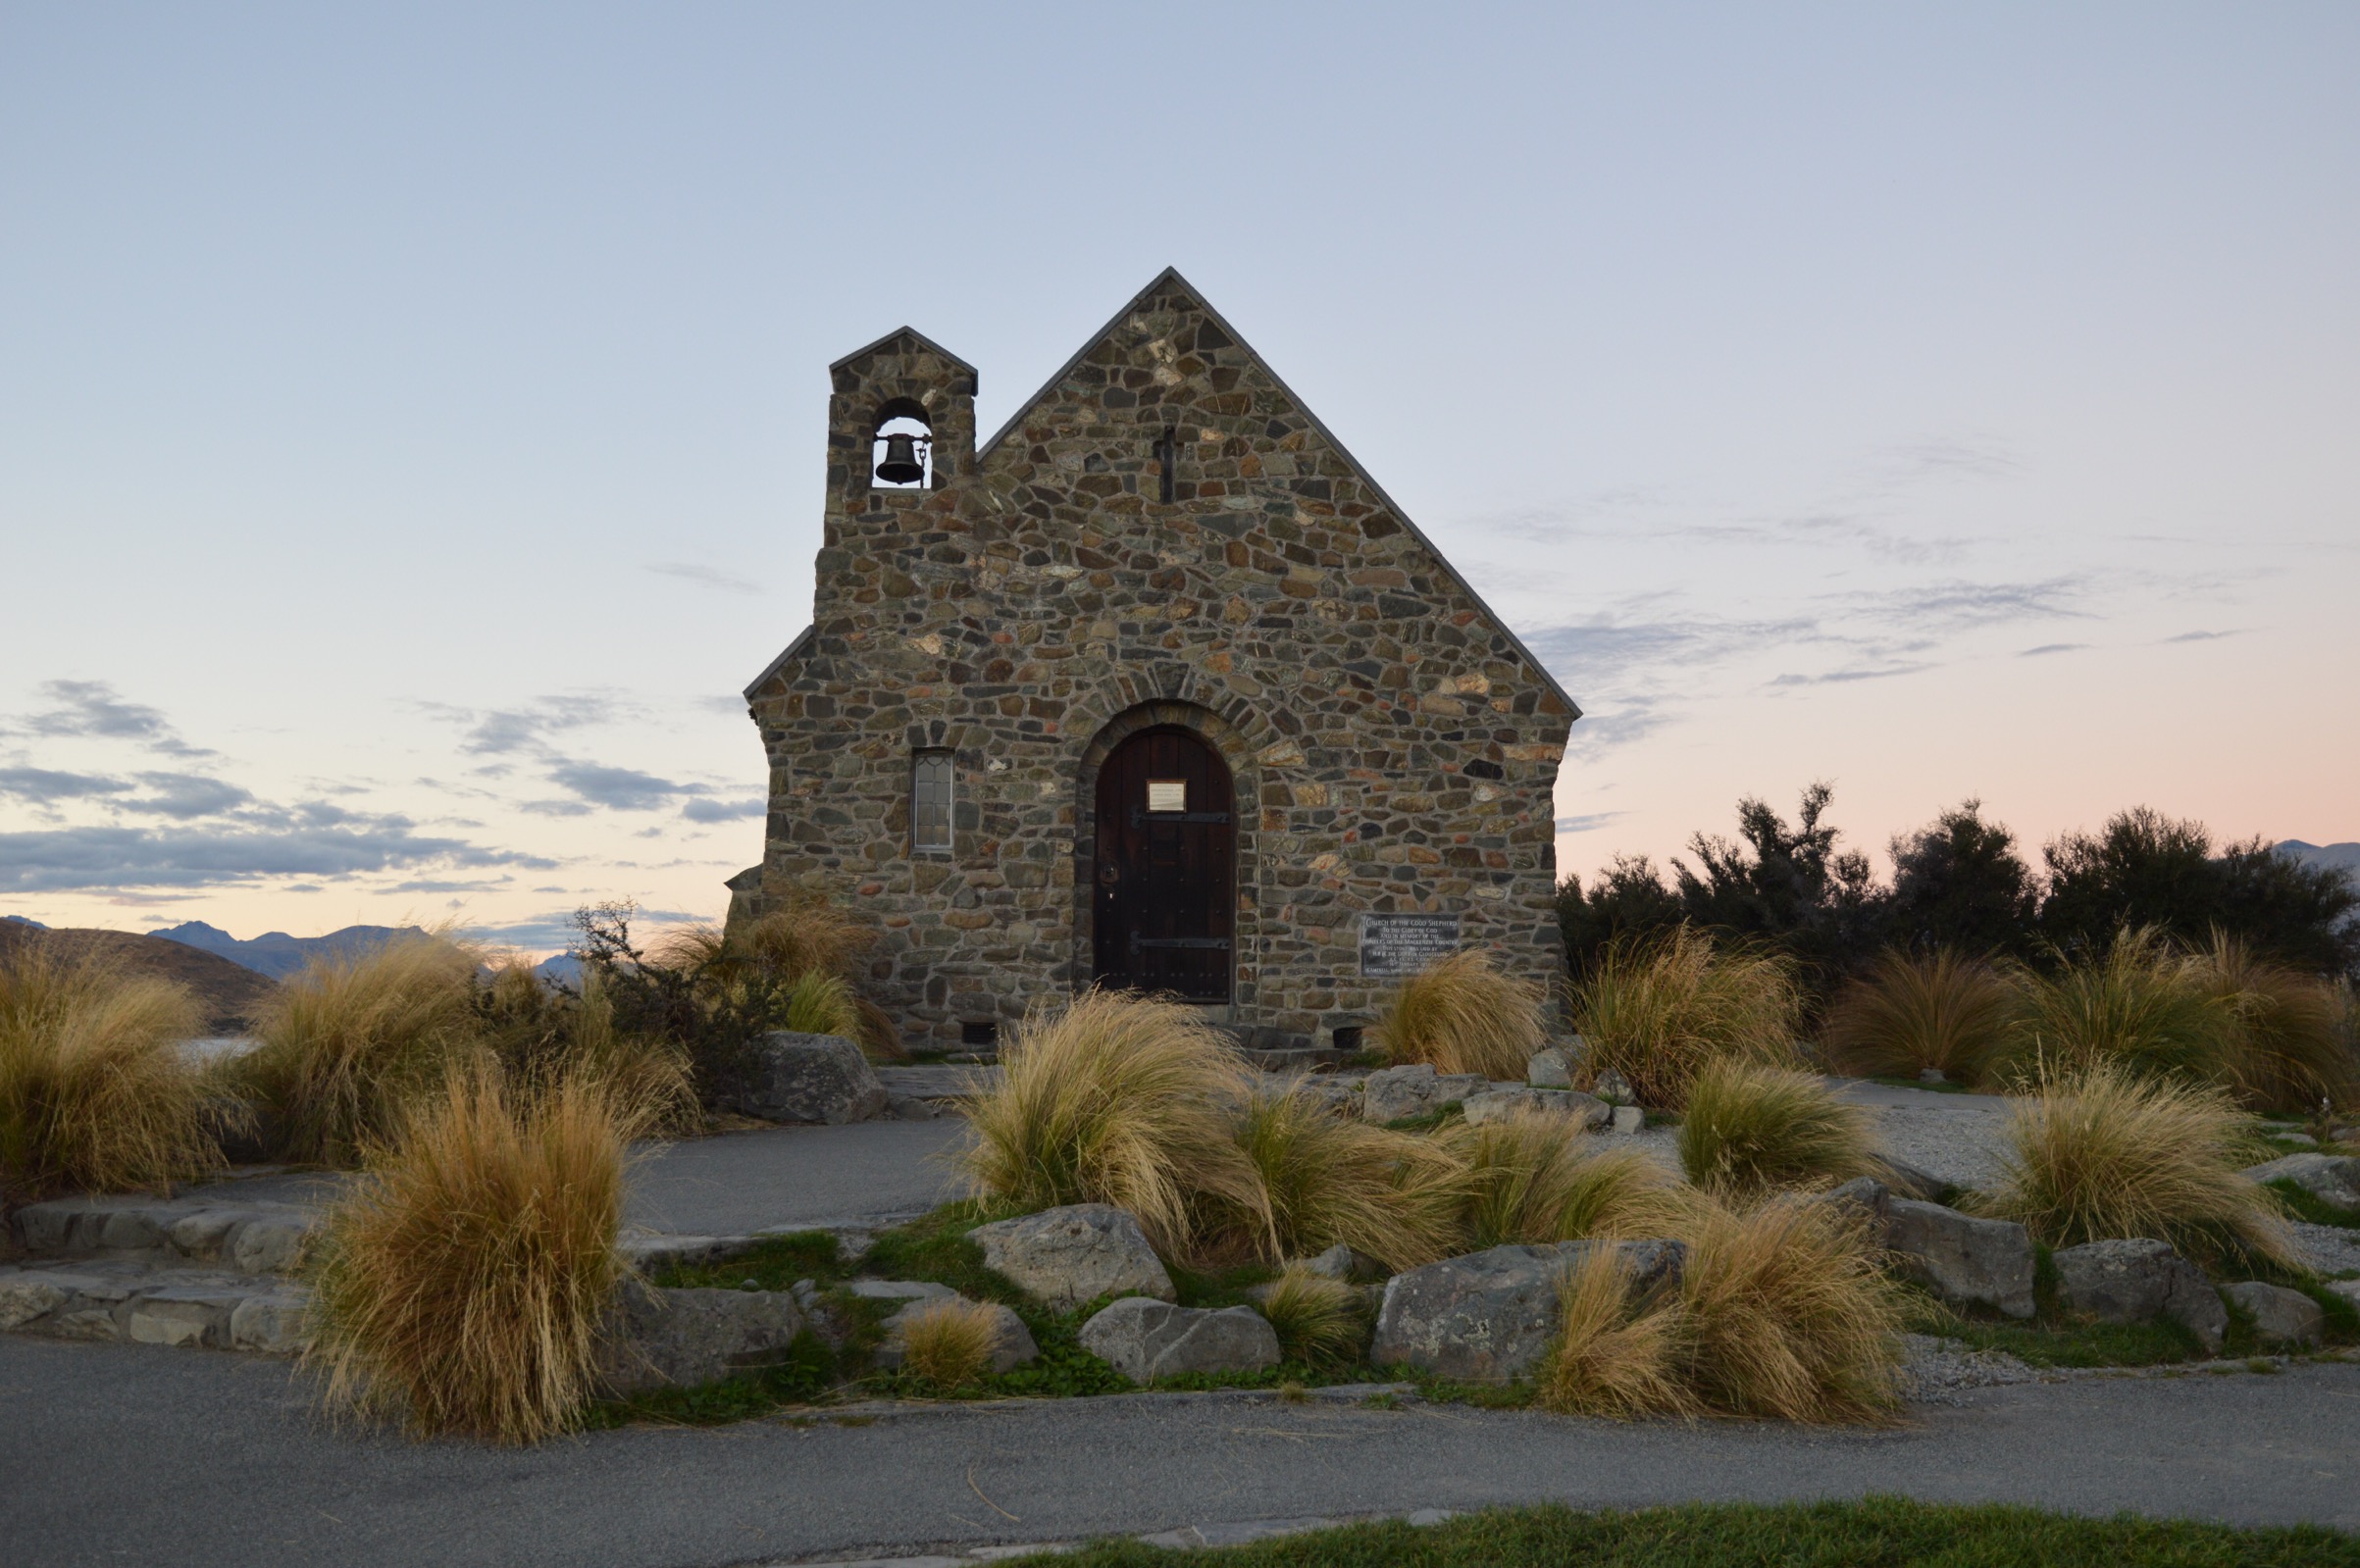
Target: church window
(930, 803)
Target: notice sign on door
(1397, 946)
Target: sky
(412, 418)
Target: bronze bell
(901, 464)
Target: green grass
(1218, 1287)
(1887, 1531)
(2305, 1204)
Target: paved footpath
(126, 1454)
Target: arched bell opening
(901, 447)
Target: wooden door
(1165, 870)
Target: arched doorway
(1164, 902)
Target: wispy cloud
(95, 708)
(704, 576)
(121, 857)
(2206, 636)
(44, 785)
(2047, 648)
(1584, 824)
(722, 810)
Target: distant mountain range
(2344, 856)
(275, 954)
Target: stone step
(253, 1237)
(118, 1299)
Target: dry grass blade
(2290, 1040)
(1123, 1101)
(1912, 1012)
(462, 1283)
(2139, 1006)
(1531, 1178)
(1315, 1318)
(1615, 1357)
(1325, 1179)
(1750, 1128)
(1658, 1010)
(2099, 1153)
(1462, 1014)
(810, 934)
(95, 1093)
(950, 1343)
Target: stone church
(1154, 688)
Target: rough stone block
(1396, 1092)
(1549, 1069)
(133, 1230)
(1629, 1119)
(1491, 1316)
(2138, 1282)
(28, 1295)
(1578, 1110)
(1066, 1256)
(674, 1339)
(182, 1317)
(2279, 1316)
(1968, 1261)
(275, 1323)
(203, 1235)
(812, 1078)
(270, 1243)
(901, 1291)
(2329, 1178)
(1146, 1341)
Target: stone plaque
(1396, 947)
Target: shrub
(95, 1093)
(1749, 1128)
(949, 1342)
(2099, 1153)
(2289, 1043)
(1658, 1010)
(1530, 1178)
(1614, 1355)
(1323, 1178)
(796, 968)
(461, 1282)
(1784, 1312)
(347, 1043)
(540, 1033)
(821, 1003)
(1916, 1011)
(1463, 1014)
(2136, 1004)
(1123, 1101)
(1315, 1318)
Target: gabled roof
(785, 654)
(927, 343)
(1171, 276)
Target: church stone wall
(1393, 748)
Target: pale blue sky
(411, 419)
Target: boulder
(275, 1323)
(1549, 1069)
(1967, 1261)
(2329, 1178)
(2138, 1281)
(191, 1315)
(1571, 1104)
(1868, 1198)
(662, 1338)
(1628, 1119)
(811, 1078)
(1396, 1092)
(1614, 1088)
(29, 1293)
(1491, 1316)
(1333, 1264)
(1909, 1181)
(1011, 1342)
(1070, 1255)
(900, 1290)
(2279, 1316)
(1334, 1097)
(1148, 1341)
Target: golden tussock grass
(950, 1343)
(1315, 1318)
(1123, 1101)
(1913, 1011)
(1749, 1128)
(1615, 1356)
(1532, 1178)
(461, 1285)
(347, 1044)
(95, 1093)
(1463, 1014)
(1658, 1010)
(2137, 1005)
(2100, 1152)
(1323, 1179)
(541, 1035)
(2290, 1041)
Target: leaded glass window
(930, 803)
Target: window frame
(919, 760)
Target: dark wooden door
(1166, 852)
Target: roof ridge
(905, 331)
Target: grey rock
(812, 1078)
(1571, 1104)
(1869, 1198)
(83, 1323)
(26, 1294)
(275, 1323)
(901, 1291)
(270, 1243)
(132, 1231)
(1629, 1119)
(182, 1316)
(2329, 1178)
(2138, 1282)
(1491, 1316)
(2279, 1316)
(1333, 1264)
(1910, 1182)
(46, 1227)
(1011, 1342)
(1549, 1069)
(1334, 1097)
(661, 1338)
(912, 1108)
(1066, 1256)
(1614, 1088)
(202, 1235)
(1146, 1341)
(1394, 1094)
(1967, 1261)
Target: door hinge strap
(1213, 944)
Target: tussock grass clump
(1315, 1318)
(801, 964)
(1910, 1012)
(1123, 1101)
(1463, 1014)
(1749, 1128)
(949, 1342)
(1658, 1010)
(1784, 1312)
(459, 1286)
(2137, 1005)
(2289, 1042)
(348, 1042)
(1323, 1178)
(541, 1035)
(95, 1095)
(1616, 1356)
(1531, 1179)
(2099, 1153)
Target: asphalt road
(116, 1454)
